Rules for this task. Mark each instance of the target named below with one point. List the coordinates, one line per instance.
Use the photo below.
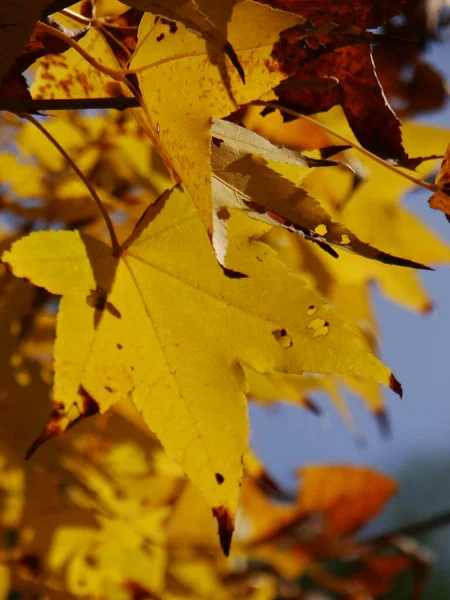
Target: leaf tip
(54, 427)
(427, 308)
(226, 527)
(312, 406)
(58, 421)
(232, 274)
(230, 52)
(395, 385)
(382, 418)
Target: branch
(435, 522)
(432, 187)
(112, 234)
(33, 106)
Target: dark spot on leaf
(233, 274)
(119, 346)
(108, 389)
(223, 213)
(226, 527)
(220, 478)
(282, 336)
(395, 385)
(173, 27)
(160, 37)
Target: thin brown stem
(112, 234)
(432, 187)
(76, 16)
(116, 74)
(435, 522)
(32, 106)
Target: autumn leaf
(354, 496)
(441, 200)
(192, 391)
(181, 111)
(358, 91)
(360, 13)
(332, 503)
(17, 18)
(392, 226)
(244, 181)
(69, 75)
(204, 24)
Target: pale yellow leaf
(175, 331)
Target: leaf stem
(33, 105)
(95, 22)
(432, 187)
(71, 14)
(112, 234)
(116, 74)
(434, 522)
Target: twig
(32, 106)
(116, 74)
(112, 234)
(76, 16)
(432, 187)
(435, 522)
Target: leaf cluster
(163, 265)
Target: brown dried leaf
(441, 200)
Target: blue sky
(417, 348)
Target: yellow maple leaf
(185, 82)
(265, 190)
(374, 211)
(69, 75)
(164, 324)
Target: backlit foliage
(164, 264)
